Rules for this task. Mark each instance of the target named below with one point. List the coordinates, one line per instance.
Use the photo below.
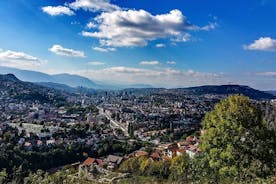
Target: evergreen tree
(130, 130)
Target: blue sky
(169, 43)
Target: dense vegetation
(168, 170)
(236, 143)
(16, 162)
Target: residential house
(89, 166)
(141, 153)
(156, 156)
(113, 161)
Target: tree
(145, 165)
(3, 176)
(179, 168)
(236, 142)
(130, 130)
(132, 165)
(160, 169)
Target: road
(114, 124)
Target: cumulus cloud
(149, 63)
(160, 45)
(130, 28)
(90, 25)
(59, 50)
(165, 77)
(94, 5)
(96, 63)
(171, 62)
(100, 49)
(263, 44)
(19, 60)
(57, 10)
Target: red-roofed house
(155, 156)
(171, 152)
(89, 166)
(180, 151)
(89, 161)
(141, 153)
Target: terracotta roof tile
(141, 153)
(89, 161)
(155, 155)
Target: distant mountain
(208, 90)
(230, 89)
(57, 86)
(66, 88)
(75, 81)
(65, 79)
(26, 75)
(9, 77)
(13, 89)
(272, 92)
(38, 77)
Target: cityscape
(125, 105)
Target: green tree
(132, 165)
(145, 165)
(199, 170)
(3, 176)
(160, 169)
(236, 142)
(130, 130)
(179, 168)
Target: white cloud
(75, 23)
(130, 28)
(126, 70)
(182, 38)
(57, 10)
(149, 63)
(268, 74)
(91, 25)
(160, 45)
(263, 43)
(59, 50)
(209, 27)
(100, 49)
(160, 77)
(93, 5)
(96, 63)
(171, 62)
(19, 60)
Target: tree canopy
(236, 143)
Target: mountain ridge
(199, 90)
(70, 80)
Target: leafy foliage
(236, 142)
